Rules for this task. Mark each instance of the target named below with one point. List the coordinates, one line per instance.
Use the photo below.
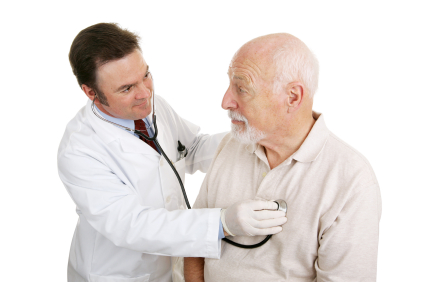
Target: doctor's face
(127, 86)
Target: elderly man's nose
(228, 101)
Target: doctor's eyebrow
(123, 87)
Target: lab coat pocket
(98, 278)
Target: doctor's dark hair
(97, 45)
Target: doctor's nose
(143, 92)
(229, 102)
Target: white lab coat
(132, 215)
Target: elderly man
(280, 148)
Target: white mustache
(236, 116)
(250, 134)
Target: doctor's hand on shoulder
(252, 218)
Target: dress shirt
(129, 123)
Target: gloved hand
(251, 218)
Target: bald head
(282, 58)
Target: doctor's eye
(127, 89)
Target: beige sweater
(334, 208)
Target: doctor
(132, 216)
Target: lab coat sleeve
(114, 210)
(201, 147)
(202, 151)
(348, 249)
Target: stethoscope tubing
(184, 190)
(175, 172)
(154, 139)
(186, 199)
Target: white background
(371, 92)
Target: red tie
(140, 125)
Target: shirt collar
(315, 141)
(123, 122)
(310, 148)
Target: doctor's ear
(88, 91)
(295, 96)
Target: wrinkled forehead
(254, 62)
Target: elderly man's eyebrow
(245, 79)
(239, 77)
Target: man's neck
(281, 145)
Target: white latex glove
(251, 218)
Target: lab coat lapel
(109, 133)
(162, 140)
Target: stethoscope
(282, 206)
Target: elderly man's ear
(295, 96)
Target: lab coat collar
(110, 133)
(124, 122)
(311, 147)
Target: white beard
(248, 135)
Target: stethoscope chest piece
(282, 206)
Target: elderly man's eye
(128, 89)
(147, 74)
(242, 90)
